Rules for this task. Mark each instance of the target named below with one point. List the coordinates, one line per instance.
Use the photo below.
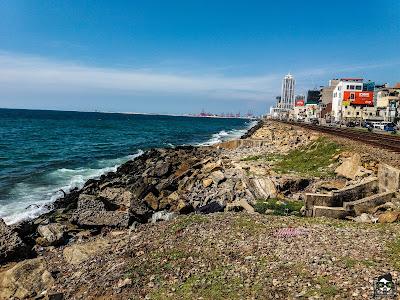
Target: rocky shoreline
(252, 175)
(167, 181)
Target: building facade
(300, 108)
(349, 92)
(327, 98)
(387, 102)
(287, 97)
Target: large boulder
(389, 217)
(89, 218)
(212, 166)
(240, 205)
(211, 207)
(90, 202)
(263, 188)
(52, 234)
(78, 253)
(26, 280)
(118, 196)
(350, 167)
(217, 177)
(12, 247)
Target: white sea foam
(31, 201)
(223, 135)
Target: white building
(344, 85)
(287, 100)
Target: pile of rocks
(158, 185)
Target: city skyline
(143, 57)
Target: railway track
(383, 141)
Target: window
(358, 113)
(358, 87)
(347, 87)
(348, 113)
(352, 87)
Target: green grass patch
(323, 288)
(279, 207)
(247, 223)
(393, 250)
(215, 284)
(349, 262)
(312, 160)
(186, 221)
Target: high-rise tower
(287, 101)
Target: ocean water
(42, 152)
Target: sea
(44, 152)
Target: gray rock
(117, 196)
(161, 169)
(90, 202)
(239, 205)
(163, 216)
(350, 167)
(12, 247)
(53, 233)
(26, 280)
(89, 218)
(211, 207)
(217, 177)
(78, 253)
(263, 188)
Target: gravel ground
(234, 256)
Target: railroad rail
(383, 141)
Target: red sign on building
(299, 102)
(359, 98)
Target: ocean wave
(33, 200)
(223, 135)
(30, 199)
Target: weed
(393, 250)
(214, 284)
(186, 221)
(312, 160)
(323, 288)
(279, 207)
(349, 262)
(245, 222)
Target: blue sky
(183, 56)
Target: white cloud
(41, 75)
(24, 75)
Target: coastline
(116, 212)
(24, 197)
(172, 217)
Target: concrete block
(363, 205)
(389, 178)
(356, 191)
(320, 200)
(330, 212)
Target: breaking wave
(223, 135)
(32, 200)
